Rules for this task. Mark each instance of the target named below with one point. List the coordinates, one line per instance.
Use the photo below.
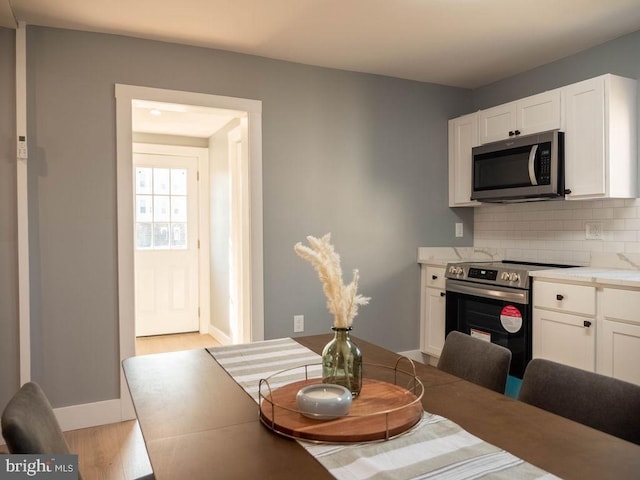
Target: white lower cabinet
(564, 324)
(619, 334)
(564, 338)
(594, 327)
(432, 311)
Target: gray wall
(361, 156)
(619, 56)
(9, 362)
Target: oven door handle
(487, 291)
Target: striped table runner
(436, 448)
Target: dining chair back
(475, 360)
(604, 403)
(29, 425)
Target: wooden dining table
(197, 422)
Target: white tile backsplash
(554, 231)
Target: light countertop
(592, 275)
(440, 256)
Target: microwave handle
(532, 160)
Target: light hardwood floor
(117, 451)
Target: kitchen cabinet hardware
(434, 277)
(586, 323)
(442, 294)
(567, 191)
(511, 134)
(559, 297)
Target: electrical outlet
(594, 231)
(298, 323)
(459, 230)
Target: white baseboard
(220, 336)
(89, 414)
(415, 355)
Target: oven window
(487, 318)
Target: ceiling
(182, 120)
(463, 43)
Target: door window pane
(144, 209)
(144, 180)
(178, 209)
(161, 181)
(161, 208)
(161, 235)
(143, 235)
(178, 181)
(178, 235)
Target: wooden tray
(381, 411)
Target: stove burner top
(507, 273)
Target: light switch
(459, 230)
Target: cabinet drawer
(621, 305)
(435, 277)
(565, 297)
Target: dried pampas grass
(342, 301)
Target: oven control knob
(504, 276)
(455, 270)
(514, 277)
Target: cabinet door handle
(586, 323)
(442, 294)
(517, 132)
(434, 277)
(567, 191)
(511, 133)
(559, 297)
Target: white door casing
(125, 94)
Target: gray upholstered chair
(477, 361)
(29, 425)
(601, 402)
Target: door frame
(125, 94)
(202, 154)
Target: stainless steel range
(492, 301)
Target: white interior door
(166, 244)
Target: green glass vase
(342, 361)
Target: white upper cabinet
(529, 115)
(598, 117)
(600, 139)
(463, 136)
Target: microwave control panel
(544, 164)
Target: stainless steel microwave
(519, 169)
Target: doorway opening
(189, 217)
